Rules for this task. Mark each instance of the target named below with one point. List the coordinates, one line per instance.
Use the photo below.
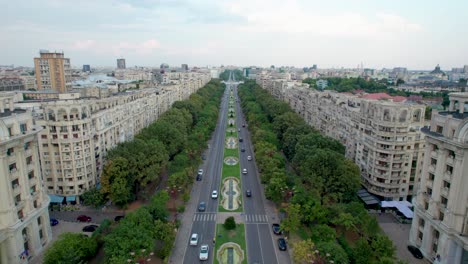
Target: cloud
(116, 49)
(289, 16)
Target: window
(441, 216)
(10, 132)
(431, 177)
(449, 169)
(10, 151)
(44, 136)
(422, 222)
(433, 162)
(39, 222)
(439, 129)
(429, 191)
(446, 184)
(443, 201)
(45, 145)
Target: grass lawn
(237, 236)
(231, 152)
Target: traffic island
(230, 245)
(231, 194)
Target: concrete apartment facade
(440, 224)
(381, 136)
(78, 133)
(52, 71)
(24, 218)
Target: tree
(332, 251)
(164, 232)
(157, 207)
(303, 251)
(93, 197)
(362, 252)
(71, 248)
(114, 181)
(345, 220)
(230, 223)
(323, 233)
(293, 219)
(382, 246)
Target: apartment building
(382, 136)
(11, 84)
(440, 224)
(24, 218)
(121, 63)
(52, 71)
(78, 132)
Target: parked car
(199, 177)
(244, 171)
(276, 229)
(282, 244)
(194, 239)
(248, 193)
(243, 125)
(415, 251)
(119, 217)
(249, 157)
(204, 249)
(238, 130)
(200, 172)
(83, 218)
(240, 139)
(53, 222)
(214, 194)
(203, 157)
(90, 228)
(242, 149)
(202, 207)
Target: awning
(367, 198)
(55, 198)
(71, 198)
(402, 206)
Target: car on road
(241, 139)
(200, 172)
(90, 228)
(199, 177)
(214, 194)
(53, 222)
(238, 130)
(242, 149)
(276, 229)
(83, 218)
(415, 251)
(203, 157)
(194, 239)
(243, 125)
(119, 217)
(282, 244)
(244, 171)
(248, 193)
(204, 249)
(249, 157)
(202, 207)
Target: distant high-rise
(314, 67)
(86, 68)
(121, 63)
(185, 67)
(52, 71)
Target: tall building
(121, 64)
(86, 68)
(24, 218)
(78, 133)
(440, 224)
(52, 71)
(381, 133)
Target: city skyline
(417, 35)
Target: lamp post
(140, 257)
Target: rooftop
(9, 113)
(455, 114)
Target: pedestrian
(214, 240)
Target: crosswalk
(204, 217)
(255, 218)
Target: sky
(417, 34)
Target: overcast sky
(417, 34)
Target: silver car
(204, 249)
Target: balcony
(13, 174)
(445, 192)
(66, 149)
(434, 154)
(30, 167)
(448, 176)
(450, 160)
(16, 189)
(19, 204)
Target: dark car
(53, 222)
(243, 149)
(415, 251)
(90, 228)
(199, 177)
(203, 157)
(83, 218)
(119, 217)
(282, 244)
(248, 193)
(202, 207)
(243, 125)
(240, 139)
(276, 229)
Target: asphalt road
(260, 240)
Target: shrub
(230, 223)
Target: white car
(204, 252)
(214, 194)
(249, 157)
(200, 172)
(194, 239)
(244, 171)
